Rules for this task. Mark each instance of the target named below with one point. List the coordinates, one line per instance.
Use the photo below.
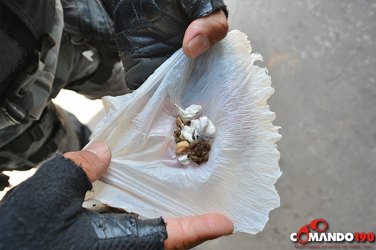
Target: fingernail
(98, 148)
(198, 45)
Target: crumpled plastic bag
(238, 180)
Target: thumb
(94, 159)
(204, 32)
(187, 232)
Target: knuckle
(223, 27)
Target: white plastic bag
(238, 180)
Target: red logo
(316, 231)
(318, 225)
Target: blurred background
(321, 56)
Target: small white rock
(183, 159)
(192, 112)
(187, 133)
(204, 127)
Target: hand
(183, 232)
(54, 196)
(204, 32)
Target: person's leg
(80, 132)
(3, 181)
(57, 130)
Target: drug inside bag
(238, 180)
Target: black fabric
(25, 90)
(108, 6)
(148, 32)
(45, 212)
(52, 132)
(89, 22)
(37, 15)
(25, 42)
(16, 29)
(88, 27)
(27, 137)
(83, 132)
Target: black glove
(45, 212)
(148, 32)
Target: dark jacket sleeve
(45, 212)
(149, 32)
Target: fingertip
(222, 222)
(204, 32)
(196, 46)
(192, 32)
